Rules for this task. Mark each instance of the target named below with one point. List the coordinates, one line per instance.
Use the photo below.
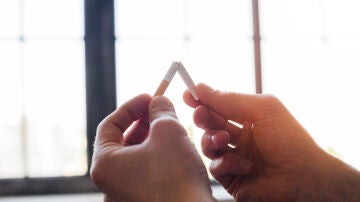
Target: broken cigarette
(176, 67)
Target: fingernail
(213, 139)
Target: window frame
(100, 76)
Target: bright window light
(42, 87)
(310, 52)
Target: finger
(245, 142)
(230, 164)
(238, 107)
(138, 133)
(189, 99)
(112, 128)
(209, 120)
(215, 143)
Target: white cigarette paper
(177, 67)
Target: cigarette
(176, 67)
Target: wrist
(192, 192)
(330, 179)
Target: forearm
(331, 180)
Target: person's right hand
(273, 158)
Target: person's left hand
(147, 162)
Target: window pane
(141, 66)
(315, 71)
(11, 164)
(143, 18)
(291, 19)
(342, 18)
(61, 18)
(219, 18)
(42, 85)
(224, 64)
(55, 108)
(9, 18)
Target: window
(48, 120)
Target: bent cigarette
(176, 67)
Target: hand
(148, 162)
(272, 158)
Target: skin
(152, 161)
(267, 155)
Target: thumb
(163, 120)
(161, 107)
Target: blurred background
(55, 54)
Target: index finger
(112, 128)
(236, 106)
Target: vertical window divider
(257, 53)
(100, 65)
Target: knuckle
(101, 126)
(98, 169)
(166, 123)
(214, 167)
(97, 174)
(166, 129)
(270, 99)
(270, 104)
